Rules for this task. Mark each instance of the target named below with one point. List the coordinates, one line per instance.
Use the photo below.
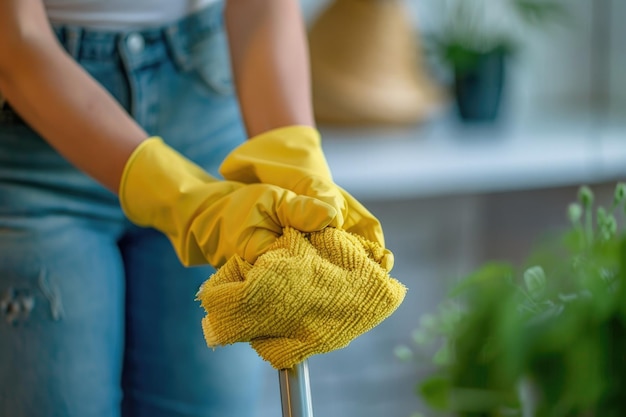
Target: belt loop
(73, 37)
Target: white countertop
(445, 157)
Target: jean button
(135, 42)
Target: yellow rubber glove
(206, 219)
(292, 157)
(308, 294)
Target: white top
(120, 14)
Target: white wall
(618, 52)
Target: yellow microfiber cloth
(310, 293)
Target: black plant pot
(478, 88)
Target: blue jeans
(97, 316)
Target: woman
(99, 316)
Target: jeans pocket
(210, 62)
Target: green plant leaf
(585, 196)
(422, 338)
(574, 213)
(535, 280)
(443, 356)
(619, 196)
(436, 392)
(403, 352)
(487, 275)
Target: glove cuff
(268, 156)
(154, 179)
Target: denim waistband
(95, 44)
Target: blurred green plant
(545, 341)
(472, 29)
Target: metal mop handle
(295, 391)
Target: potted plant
(548, 340)
(475, 40)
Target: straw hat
(366, 65)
